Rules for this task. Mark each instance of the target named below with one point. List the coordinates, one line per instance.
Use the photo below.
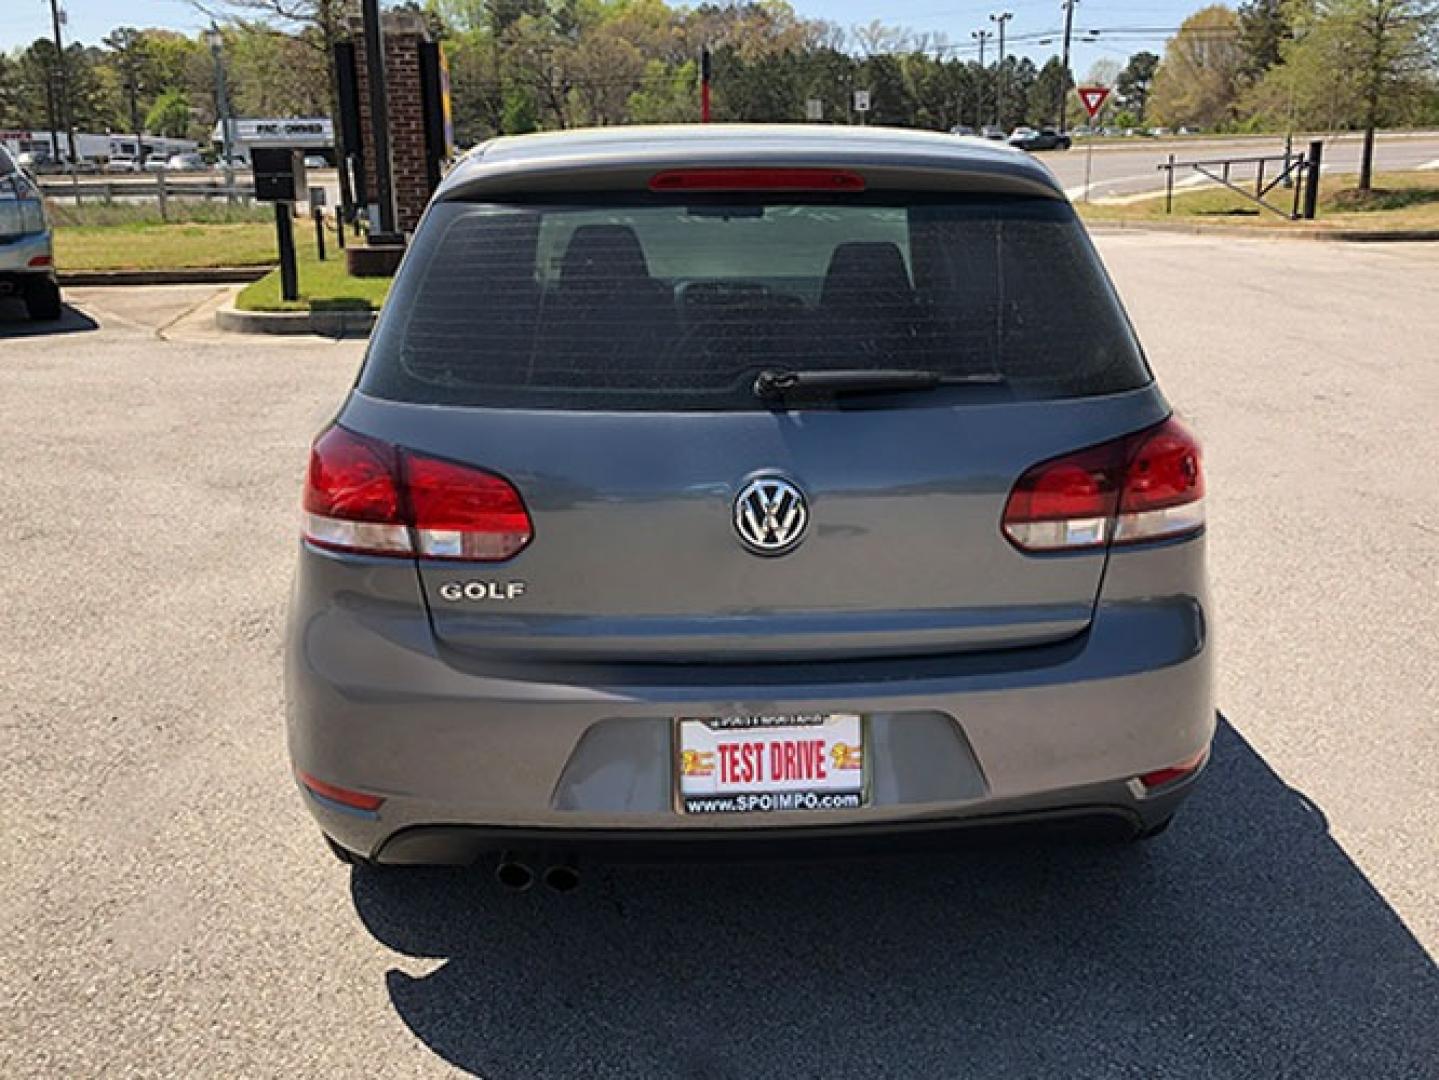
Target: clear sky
(21, 21)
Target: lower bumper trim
(460, 845)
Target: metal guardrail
(161, 188)
(1299, 172)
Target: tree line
(526, 65)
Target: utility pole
(1064, 77)
(57, 17)
(999, 96)
(222, 106)
(132, 89)
(51, 79)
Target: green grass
(1399, 201)
(154, 246)
(322, 284)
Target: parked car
(37, 162)
(1026, 138)
(156, 163)
(27, 263)
(1158, 132)
(962, 129)
(122, 163)
(903, 538)
(315, 161)
(989, 131)
(185, 163)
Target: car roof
(621, 157)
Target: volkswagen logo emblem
(770, 515)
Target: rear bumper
(16, 255)
(472, 757)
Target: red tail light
(742, 179)
(1146, 486)
(366, 496)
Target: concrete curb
(207, 275)
(332, 324)
(1337, 236)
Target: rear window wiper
(774, 383)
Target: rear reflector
(1146, 486)
(41, 260)
(1160, 777)
(366, 496)
(356, 800)
(741, 179)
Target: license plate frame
(833, 776)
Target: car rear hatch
(600, 354)
(21, 210)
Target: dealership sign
(305, 132)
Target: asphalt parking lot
(168, 908)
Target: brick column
(404, 33)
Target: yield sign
(1093, 98)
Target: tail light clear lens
(1146, 486)
(366, 496)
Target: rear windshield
(663, 305)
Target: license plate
(749, 764)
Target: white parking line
(1077, 192)
(1155, 193)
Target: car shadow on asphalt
(1244, 942)
(15, 322)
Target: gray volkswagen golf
(716, 485)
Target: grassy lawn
(322, 284)
(1406, 200)
(133, 236)
(163, 247)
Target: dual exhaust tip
(517, 875)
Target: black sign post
(279, 172)
(285, 237)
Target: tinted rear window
(655, 305)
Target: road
(169, 910)
(1130, 166)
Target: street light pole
(1064, 76)
(981, 36)
(999, 96)
(222, 106)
